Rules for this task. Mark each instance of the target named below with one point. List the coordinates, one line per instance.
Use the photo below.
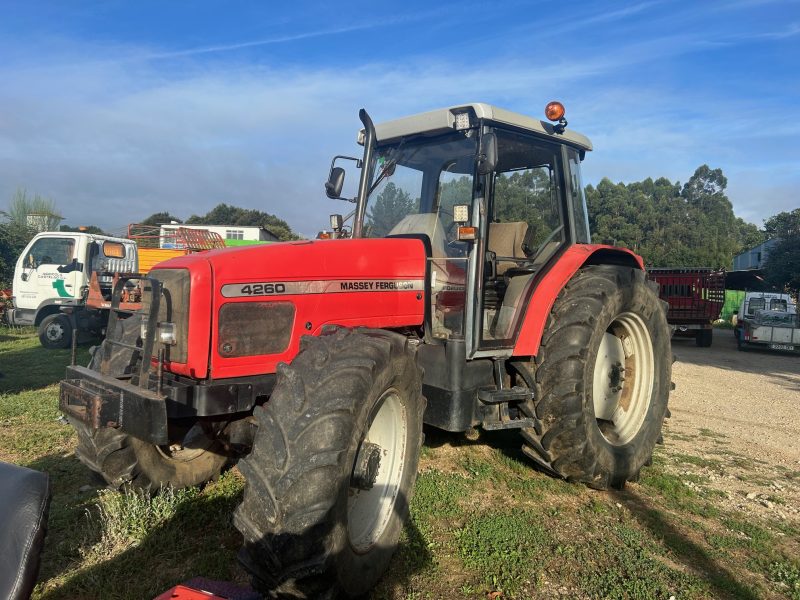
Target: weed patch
(503, 548)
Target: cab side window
(51, 251)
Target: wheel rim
(194, 444)
(54, 331)
(369, 510)
(623, 379)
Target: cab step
(500, 409)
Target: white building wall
(226, 232)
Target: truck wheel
(333, 465)
(123, 460)
(55, 331)
(704, 337)
(602, 378)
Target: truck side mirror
(333, 187)
(487, 154)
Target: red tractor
(466, 293)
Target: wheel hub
(368, 462)
(54, 332)
(194, 444)
(377, 473)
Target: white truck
(768, 320)
(54, 273)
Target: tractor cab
(494, 195)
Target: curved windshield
(416, 184)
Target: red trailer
(695, 297)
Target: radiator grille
(253, 328)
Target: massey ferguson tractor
(465, 293)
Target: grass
(483, 522)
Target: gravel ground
(741, 412)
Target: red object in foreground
(181, 592)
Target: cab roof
(444, 119)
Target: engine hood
(312, 260)
(304, 286)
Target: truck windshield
(417, 182)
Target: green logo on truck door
(58, 284)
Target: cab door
(528, 223)
(50, 268)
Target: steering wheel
(549, 239)
(533, 267)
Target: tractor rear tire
(606, 336)
(122, 460)
(55, 331)
(346, 414)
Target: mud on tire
(599, 305)
(303, 537)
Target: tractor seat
(25, 498)
(506, 240)
(427, 224)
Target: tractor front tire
(333, 466)
(601, 380)
(122, 460)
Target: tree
(782, 266)
(224, 214)
(33, 211)
(160, 218)
(18, 229)
(83, 229)
(13, 239)
(391, 205)
(783, 225)
(672, 225)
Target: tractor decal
(238, 290)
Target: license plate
(781, 347)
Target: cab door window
(527, 226)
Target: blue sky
(118, 109)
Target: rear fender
(545, 290)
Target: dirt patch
(735, 426)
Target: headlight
(166, 333)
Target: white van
(768, 320)
(54, 272)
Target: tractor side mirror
(487, 154)
(335, 183)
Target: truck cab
(53, 272)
